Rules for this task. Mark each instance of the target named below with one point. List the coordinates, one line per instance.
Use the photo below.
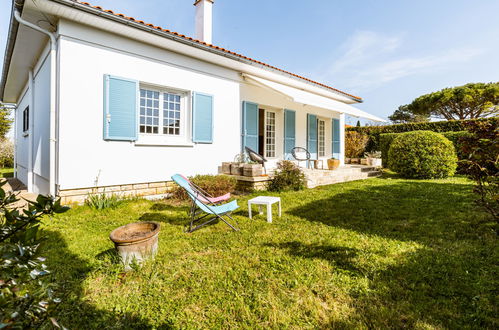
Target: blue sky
(388, 52)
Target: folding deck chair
(201, 208)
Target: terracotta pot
(136, 241)
(252, 170)
(333, 164)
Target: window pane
(149, 113)
(270, 134)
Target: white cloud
(370, 59)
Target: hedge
(385, 140)
(422, 155)
(437, 126)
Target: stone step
(319, 178)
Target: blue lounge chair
(207, 211)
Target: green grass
(6, 172)
(380, 253)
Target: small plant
(422, 155)
(26, 296)
(215, 185)
(103, 201)
(373, 154)
(355, 144)
(288, 177)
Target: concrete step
(343, 174)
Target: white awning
(304, 97)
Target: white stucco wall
(21, 140)
(83, 153)
(41, 128)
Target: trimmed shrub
(422, 155)
(437, 126)
(385, 140)
(215, 185)
(288, 177)
(355, 144)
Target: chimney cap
(198, 1)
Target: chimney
(204, 18)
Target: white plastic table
(265, 200)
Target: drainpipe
(53, 68)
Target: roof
(127, 20)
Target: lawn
(379, 253)
(6, 172)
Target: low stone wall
(71, 196)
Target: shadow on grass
(447, 282)
(69, 272)
(403, 210)
(339, 257)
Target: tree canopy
(5, 121)
(470, 101)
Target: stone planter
(236, 169)
(348, 160)
(333, 164)
(377, 162)
(363, 161)
(252, 170)
(354, 160)
(136, 241)
(226, 167)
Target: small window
(270, 134)
(322, 148)
(26, 119)
(160, 112)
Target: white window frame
(185, 136)
(321, 138)
(273, 139)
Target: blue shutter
(336, 139)
(312, 135)
(289, 132)
(250, 126)
(202, 118)
(120, 108)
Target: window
(26, 119)
(270, 134)
(160, 112)
(321, 133)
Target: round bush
(422, 155)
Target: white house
(109, 101)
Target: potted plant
(333, 163)
(374, 158)
(136, 241)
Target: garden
(388, 252)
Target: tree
(358, 123)
(403, 115)
(474, 100)
(5, 121)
